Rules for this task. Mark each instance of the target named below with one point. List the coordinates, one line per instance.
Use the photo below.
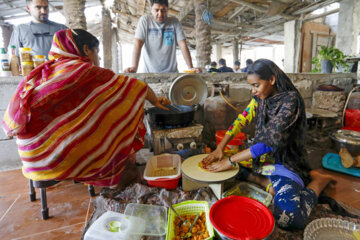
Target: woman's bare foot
(320, 181)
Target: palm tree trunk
(74, 13)
(203, 41)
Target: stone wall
(240, 93)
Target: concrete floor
(70, 207)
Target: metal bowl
(346, 138)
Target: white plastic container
(101, 230)
(163, 171)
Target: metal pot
(348, 139)
(177, 116)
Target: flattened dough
(190, 167)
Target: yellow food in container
(27, 67)
(25, 54)
(38, 60)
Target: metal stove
(173, 139)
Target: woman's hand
(214, 156)
(222, 165)
(161, 101)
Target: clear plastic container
(25, 54)
(102, 230)
(155, 218)
(248, 190)
(39, 59)
(27, 67)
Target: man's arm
(136, 56)
(186, 54)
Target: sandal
(267, 189)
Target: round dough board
(190, 168)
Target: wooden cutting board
(190, 168)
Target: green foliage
(336, 57)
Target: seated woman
(74, 119)
(279, 113)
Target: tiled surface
(70, 207)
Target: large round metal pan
(177, 116)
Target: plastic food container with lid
(27, 67)
(163, 171)
(113, 225)
(39, 59)
(25, 54)
(154, 218)
(248, 190)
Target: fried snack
(357, 161)
(198, 231)
(346, 158)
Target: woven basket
(189, 207)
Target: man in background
(159, 34)
(213, 68)
(223, 67)
(249, 62)
(39, 32)
(237, 66)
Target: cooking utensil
(174, 108)
(177, 116)
(346, 138)
(168, 203)
(189, 233)
(188, 89)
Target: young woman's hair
(161, 2)
(82, 37)
(265, 69)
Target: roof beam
(185, 12)
(314, 6)
(230, 6)
(237, 12)
(259, 8)
(312, 17)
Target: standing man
(223, 67)
(37, 34)
(159, 34)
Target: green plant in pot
(328, 57)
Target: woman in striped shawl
(75, 120)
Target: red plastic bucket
(235, 145)
(352, 118)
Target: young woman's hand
(222, 165)
(214, 156)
